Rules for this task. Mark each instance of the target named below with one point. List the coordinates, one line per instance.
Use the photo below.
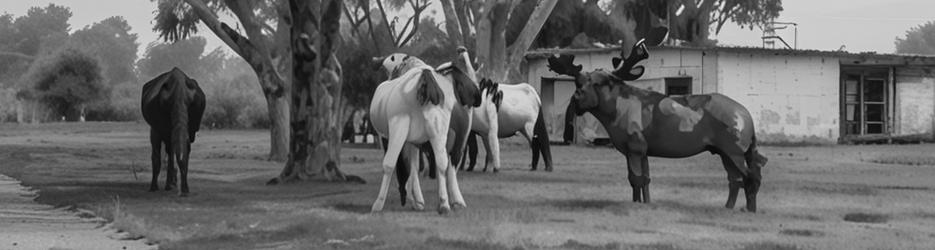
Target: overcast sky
(865, 25)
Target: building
(794, 96)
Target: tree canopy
(918, 40)
(66, 82)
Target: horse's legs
(646, 179)
(751, 186)
(183, 170)
(494, 148)
(398, 127)
(414, 187)
(489, 157)
(156, 159)
(170, 169)
(734, 180)
(639, 183)
(472, 150)
(441, 157)
(533, 145)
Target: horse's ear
(616, 61)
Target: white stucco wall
(915, 101)
(792, 98)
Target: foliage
(617, 21)
(37, 23)
(112, 43)
(918, 40)
(185, 54)
(23, 38)
(65, 82)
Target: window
(864, 101)
(678, 86)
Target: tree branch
(537, 19)
(416, 16)
(17, 54)
(386, 20)
(240, 44)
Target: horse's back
(398, 96)
(520, 106)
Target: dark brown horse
(172, 105)
(644, 123)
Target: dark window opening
(678, 86)
(864, 95)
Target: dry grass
(810, 198)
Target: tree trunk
(491, 39)
(278, 111)
(315, 146)
(452, 23)
(518, 49)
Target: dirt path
(25, 224)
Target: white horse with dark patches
(507, 110)
(412, 108)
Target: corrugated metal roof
(913, 59)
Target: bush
(234, 104)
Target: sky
(859, 26)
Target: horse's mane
(491, 88)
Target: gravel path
(26, 224)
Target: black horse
(172, 105)
(644, 123)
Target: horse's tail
(754, 158)
(540, 141)
(429, 91)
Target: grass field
(832, 197)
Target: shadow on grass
(866, 217)
(802, 232)
(769, 245)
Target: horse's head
(592, 87)
(398, 63)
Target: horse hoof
(183, 194)
(496, 170)
(458, 206)
(153, 189)
(418, 206)
(548, 169)
(444, 209)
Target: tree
(315, 145)
(112, 43)
(24, 38)
(290, 45)
(262, 40)
(186, 54)
(66, 82)
(501, 60)
(918, 40)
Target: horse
(507, 110)
(415, 106)
(172, 105)
(644, 123)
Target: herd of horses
(438, 111)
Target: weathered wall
(915, 101)
(792, 98)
